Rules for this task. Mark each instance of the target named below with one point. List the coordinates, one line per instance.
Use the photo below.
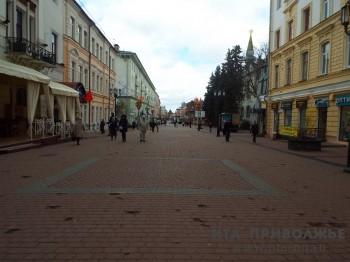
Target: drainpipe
(90, 72)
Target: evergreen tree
(232, 79)
(210, 104)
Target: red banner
(88, 96)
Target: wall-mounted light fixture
(5, 22)
(345, 13)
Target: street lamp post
(217, 94)
(345, 14)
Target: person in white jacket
(78, 129)
(143, 126)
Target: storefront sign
(274, 106)
(321, 102)
(342, 100)
(286, 105)
(301, 104)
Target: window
(80, 74)
(72, 71)
(306, 19)
(106, 59)
(276, 76)
(278, 38)
(325, 58)
(72, 27)
(344, 133)
(101, 53)
(54, 44)
(289, 71)
(80, 35)
(112, 65)
(93, 46)
(302, 118)
(279, 4)
(98, 83)
(31, 29)
(86, 77)
(290, 30)
(85, 40)
(92, 84)
(287, 117)
(325, 9)
(19, 24)
(304, 66)
(97, 50)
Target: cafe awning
(63, 90)
(11, 69)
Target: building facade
(309, 70)
(90, 60)
(30, 71)
(133, 84)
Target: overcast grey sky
(180, 42)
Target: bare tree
(253, 72)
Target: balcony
(26, 53)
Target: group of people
(143, 127)
(254, 130)
(122, 126)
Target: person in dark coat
(113, 128)
(227, 131)
(109, 123)
(254, 129)
(152, 124)
(102, 126)
(123, 127)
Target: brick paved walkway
(183, 195)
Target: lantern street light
(345, 13)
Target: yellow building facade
(89, 59)
(309, 72)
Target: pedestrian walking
(113, 128)
(123, 127)
(152, 125)
(254, 129)
(227, 131)
(210, 126)
(109, 123)
(143, 126)
(133, 125)
(78, 129)
(102, 126)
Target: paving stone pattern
(183, 195)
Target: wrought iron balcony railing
(23, 46)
